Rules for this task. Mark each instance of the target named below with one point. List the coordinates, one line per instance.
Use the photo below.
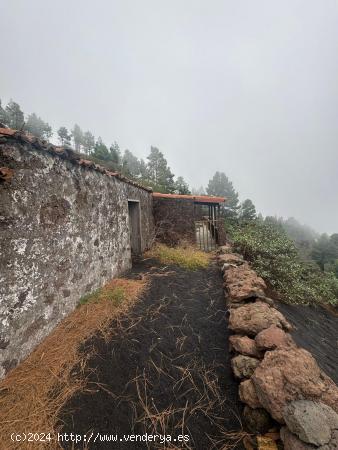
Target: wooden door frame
(137, 202)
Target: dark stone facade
(64, 232)
(174, 219)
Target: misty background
(247, 88)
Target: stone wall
(64, 232)
(174, 219)
(287, 397)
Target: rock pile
(281, 384)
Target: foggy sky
(245, 87)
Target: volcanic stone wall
(287, 396)
(64, 232)
(174, 219)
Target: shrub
(276, 259)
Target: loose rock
(333, 444)
(252, 318)
(244, 345)
(243, 283)
(244, 366)
(224, 249)
(247, 394)
(257, 420)
(225, 267)
(230, 258)
(311, 421)
(288, 374)
(273, 337)
(265, 299)
(291, 441)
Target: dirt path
(166, 371)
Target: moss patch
(112, 293)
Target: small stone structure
(281, 384)
(65, 230)
(176, 217)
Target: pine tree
(334, 242)
(14, 115)
(115, 156)
(101, 150)
(220, 185)
(130, 164)
(247, 211)
(143, 171)
(77, 136)
(3, 116)
(181, 186)
(36, 126)
(159, 174)
(323, 252)
(64, 136)
(88, 142)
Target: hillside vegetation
(276, 258)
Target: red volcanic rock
(230, 258)
(247, 394)
(244, 345)
(273, 337)
(244, 366)
(252, 318)
(287, 374)
(243, 283)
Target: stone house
(67, 226)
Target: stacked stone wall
(288, 399)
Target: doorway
(134, 226)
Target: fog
(245, 87)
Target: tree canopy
(101, 150)
(158, 173)
(220, 185)
(88, 142)
(181, 186)
(13, 117)
(64, 136)
(38, 127)
(77, 135)
(247, 211)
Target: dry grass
(33, 393)
(187, 257)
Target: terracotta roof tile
(63, 152)
(195, 198)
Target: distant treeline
(154, 172)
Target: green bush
(275, 258)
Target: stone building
(67, 226)
(195, 218)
